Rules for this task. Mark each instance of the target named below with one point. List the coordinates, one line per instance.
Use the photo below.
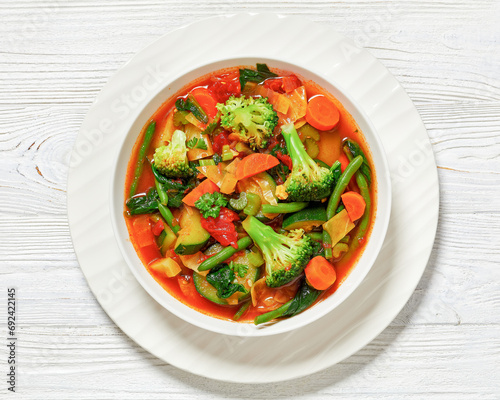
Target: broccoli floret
(285, 256)
(307, 181)
(252, 119)
(171, 160)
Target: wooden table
(54, 59)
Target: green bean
(316, 236)
(327, 244)
(342, 183)
(224, 254)
(334, 200)
(268, 316)
(365, 219)
(284, 208)
(142, 156)
(169, 218)
(161, 192)
(304, 298)
(365, 193)
(241, 311)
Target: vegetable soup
(250, 194)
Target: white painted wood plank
(407, 38)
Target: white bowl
(194, 317)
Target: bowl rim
(232, 328)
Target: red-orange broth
(181, 286)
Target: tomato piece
(222, 228)
(275, 84)
(225, 87)
(158, 228)
(285, 159)
(286, 84)
(290, 83)
(219, 141)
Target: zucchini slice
(305, 219)
(209, 292)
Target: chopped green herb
(210, 128)
(210, 204)
(197, 143)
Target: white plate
(369, 309)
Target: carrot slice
(255, 164)
(320, 273)
(207, 186)
(322, 113)
(205, 100)
(354, 204)
(158, 228)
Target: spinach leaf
(222, 278)
(318, 249)
(356, 151)
(175, 198)
(249, 75)
(175, 189)
(143, 204)
(304, 298)
(337, 171)
(190, 104)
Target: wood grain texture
(56, 56)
